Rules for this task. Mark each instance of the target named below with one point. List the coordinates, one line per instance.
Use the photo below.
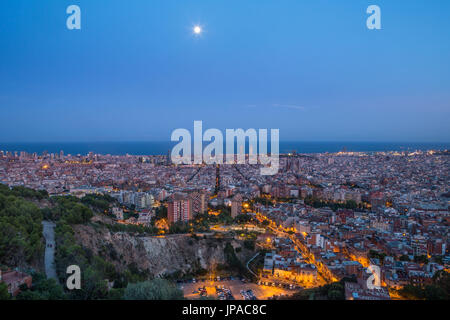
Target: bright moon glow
(197, 30)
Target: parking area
(230, 290)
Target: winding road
(49, 258)
(249, 263)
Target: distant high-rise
(236, 205)
(168, 160)
(179, 208)
(217, 188)
(199, 201)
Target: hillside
(158, 255)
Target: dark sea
(162, 148)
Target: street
(49, 258)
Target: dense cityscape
(317, 228)
(224, 159)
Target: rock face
(159, 255)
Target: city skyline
(246, 152)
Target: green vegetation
(233, 263)
(404, 257)
(4, 294)
(201, 222)
(161, 213)
(131, 228)
(249, 244)
(421, 259)
(23, 192)
(313, 202)
(438, 259)
(100, 203)
(332, 291)
(22, 244)
(224, 217)
(264, 201)
(68, 208)
(243, 219)
(265, 223)
(181, 227)
(96, 271)
(438, 290)
(247, 235)
(377, 255)
(157, 289)
(21, 241)
(42, 289)
(316, 203)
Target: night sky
(136, 71)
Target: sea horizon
(163, 147)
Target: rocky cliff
(157, 254)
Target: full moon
(197, 30)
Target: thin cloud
(289, 106)
(277, 105)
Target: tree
(157, 289)
(336, 291)
(79, 214)
(42, 289)
(249, 244)
(438, 290)
(350, 204)
(335, 295)
(442, 279)
(115, 294)
(99, 203)
(377, 255)
(242, 218)
(93, 285)
(434, 292)
(438, 259)
(421, 259)
(20, 231)
(265, 223)
(161, 212)
(4, 294)
(404, 258)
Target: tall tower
(236, 205)
(168, 162)
(217, 179)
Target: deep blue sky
(310, 68)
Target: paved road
(248, 268)
(49, 259)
